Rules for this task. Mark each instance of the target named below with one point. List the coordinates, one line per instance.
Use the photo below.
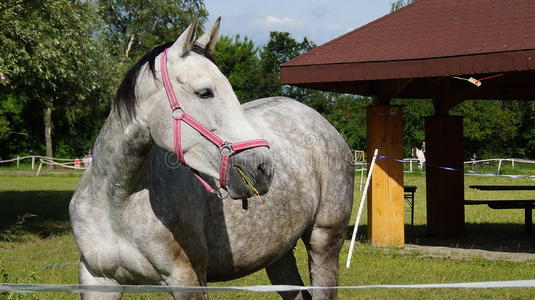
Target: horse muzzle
(250, 172)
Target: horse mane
(125, 97)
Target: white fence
(67, 163)
(500, 162)
(413, 162)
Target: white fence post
(33, 161)
(18, 161)
(39, 168)
(499, 166)
(359, 213)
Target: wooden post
(385, 198)
(445, 188)
(18, 161)
(33, 161)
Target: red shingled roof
(428, 38)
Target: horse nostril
(262, 168)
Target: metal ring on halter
(226, 148)
(177, 113)
(220, 192)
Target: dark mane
(125, 98)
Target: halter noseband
(226, 148)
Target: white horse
(140, 217)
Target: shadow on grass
(498, 237)
(44, 213)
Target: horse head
(205, 122)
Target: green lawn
(40, 249)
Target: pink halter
(226, 149)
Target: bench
(408, 195)
(527, 205)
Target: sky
(320, 21)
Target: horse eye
(205, 93)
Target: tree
(280, 48)
(399, 4)
(136, 26)
(492, 128)
(49, 55)
(526, 132)
(347, 114)
(238, 60)
(254, 72)
(62, 59)
(413, 126)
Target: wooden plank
(526, 205)
(497, 204)
(445, 188)
(503, 187)
(395, 189)
(385, 199)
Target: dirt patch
(490, 248)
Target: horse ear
(209, 38)
(185, 41)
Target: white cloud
(282, 21)
(273, 22)
(334, 27)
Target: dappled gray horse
(140, 216)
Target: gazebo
(447, 51)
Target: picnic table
(527, 205)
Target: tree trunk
(47, 118)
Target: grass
(41, 249)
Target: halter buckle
(226, 148)
(177, 113)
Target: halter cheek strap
(226, 148)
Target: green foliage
(53, 41)
(280, 48)
(23, 277)
(413, 123)
(399, 4)
(11, 116)
(254, 72)
(347, 114)
(495, 128)
(49, 58)
(238, 60)
(69, 55)
(146, 23)
(526, 134)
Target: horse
(144, 213)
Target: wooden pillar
(444, 188)
(385, 197)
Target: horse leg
(85, 277)
(323, 246)
(284, 271)
(186, 275)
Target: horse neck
(120, 158)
